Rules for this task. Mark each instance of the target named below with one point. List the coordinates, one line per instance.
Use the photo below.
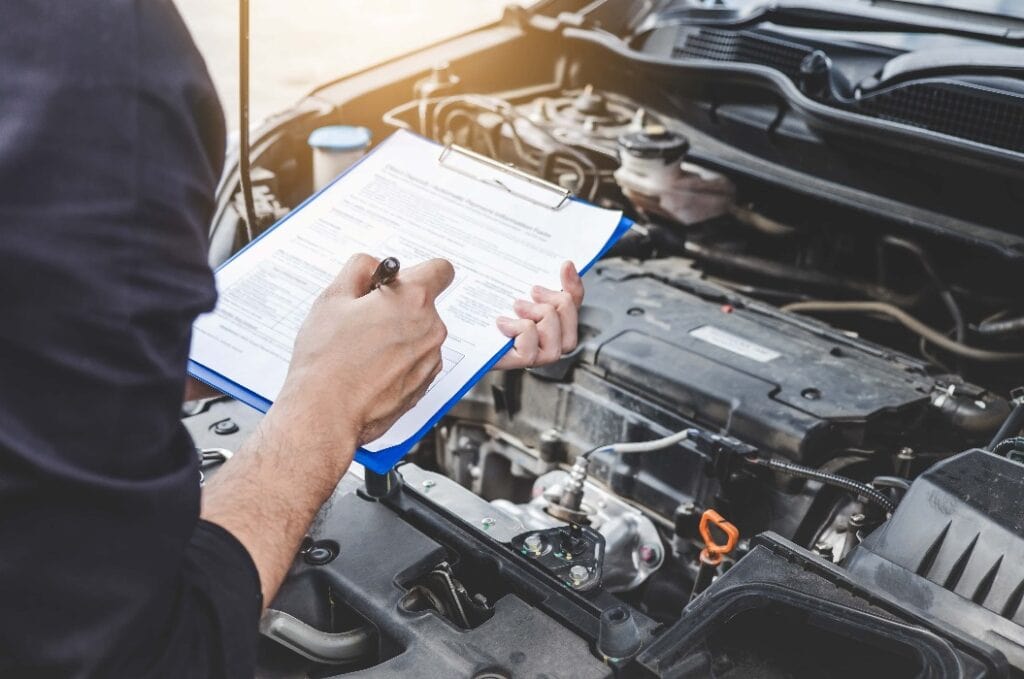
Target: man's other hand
(546, 327)
(363, 359)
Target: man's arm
(361, 359)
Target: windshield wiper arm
(827, 15)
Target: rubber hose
(931, 334)
(1011, 426)
(891, 482)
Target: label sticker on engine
(734, 343)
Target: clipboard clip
(519, 183)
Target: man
(111, 140)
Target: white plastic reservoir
(335, 149)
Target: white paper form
(399, 201)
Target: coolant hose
(1011, 426)
(830, 479)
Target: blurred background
(296, 46)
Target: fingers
(565, 306)
(354, 278)
(549, 328)
(572, 283)
(435, 275)
(526, 349)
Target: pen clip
(555, 197)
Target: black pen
(385, 273)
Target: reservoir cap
(654, 141)
(340, 138)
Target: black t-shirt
(111, 142)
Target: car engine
(786, 444)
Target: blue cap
(340, 138)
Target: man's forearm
(269, 492)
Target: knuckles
(565, 300)
(416, 296)
(546, 310)
(439, 333)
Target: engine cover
(801, 392)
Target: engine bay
(785, 445)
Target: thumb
(434, 274)
(572, 283)
(354, 278)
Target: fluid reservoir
(653, 175)
(335, 149)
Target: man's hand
(360, 360)
(546, 327)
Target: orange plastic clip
(713, 552)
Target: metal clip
(559, 195)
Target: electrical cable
(244, 169)
(572, 494)
(828, 478)
(914, 325)
(643, 446)
(944, 292)
(790, 468)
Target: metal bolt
(224, 427)
(578, 574)
(319, 554)
(533, 543)
(649, 554)
(428, 484)
(857, 520)
(824, 550)
(905, 462)
(487, 522)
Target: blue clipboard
(383, 460)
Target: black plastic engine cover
(955, 549)
(763, 380)
(786, 384)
